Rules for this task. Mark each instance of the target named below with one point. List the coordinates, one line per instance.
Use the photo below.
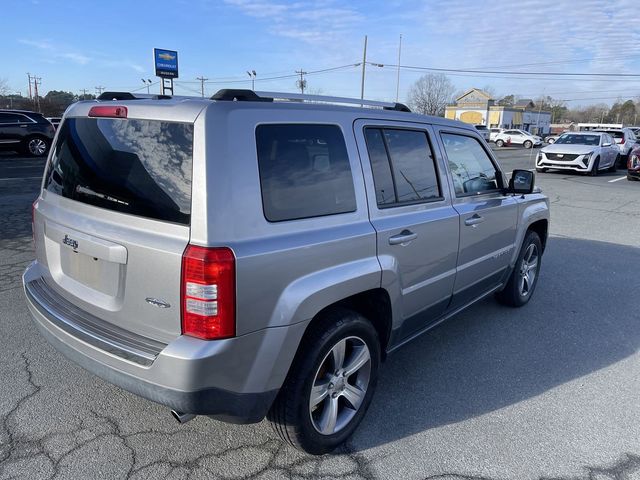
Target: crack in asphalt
(95, 426)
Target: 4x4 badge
(157, 303)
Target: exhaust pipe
(182, 417)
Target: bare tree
(4, 86)
(431, 94)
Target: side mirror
(606, 144)
(521, 182)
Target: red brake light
(108, 111)
(208, 292)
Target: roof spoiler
(130, 96)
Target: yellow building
(478, 108)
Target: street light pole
(364, 67)
(252, 74)
(398, 75)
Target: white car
(484, 131)
(517, 137)
(587, 152)
(494, 132)
(624, 138)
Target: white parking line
(20, 178)
(617, 179)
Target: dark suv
(26, 132)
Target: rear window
(613, 133)
(139, 167)
(304, 171)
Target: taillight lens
(208, 292)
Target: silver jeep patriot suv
(258, 254)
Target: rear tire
(550, 141)
(500, 143)
(595, 167)
(614, 166)
(320, 369)
(524, 278)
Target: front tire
(550, 141)
(595, 167)
(614, 166)
(541, 170)
(528, 144)
(524, 278)
(330, 384)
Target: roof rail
(242, 95)
(231, 94)
(340, 100)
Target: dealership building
(478, 108)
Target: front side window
(471, 169)
(304, 171)
(403, 166)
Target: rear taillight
(622, 141)
(208, 292)
(108, 111)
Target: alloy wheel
(37, 146)
(528, 270)
(340, 385)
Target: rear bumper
(234, 380)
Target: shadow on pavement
(580, 320)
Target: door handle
(404, 236)
(475, 220)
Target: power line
(506, 72)
(99, 90)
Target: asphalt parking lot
(548, 391)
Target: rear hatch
(114, 215)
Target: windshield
(574, 139)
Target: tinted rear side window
(304, 171)
(139, 167)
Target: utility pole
(398, 77)
(252, 74)
(84, 94)
(202, 80)
(37, 81)
(30, 95)
(364, 67)
(99, 90)
(302, 83)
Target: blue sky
(83, 44)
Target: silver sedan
(587, 152)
